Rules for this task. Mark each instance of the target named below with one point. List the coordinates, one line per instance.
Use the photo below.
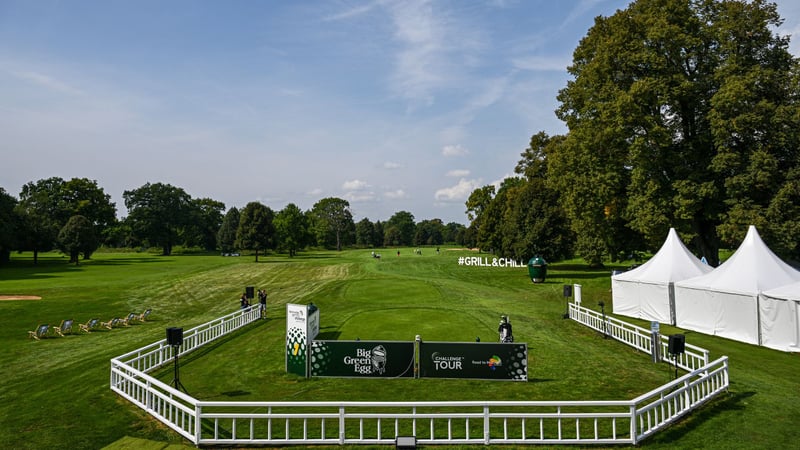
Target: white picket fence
(637, 337)
(130, 379)
(380, 423)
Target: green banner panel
(370, 359)
(480, 360)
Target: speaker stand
(176, 380)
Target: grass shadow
(733, 401)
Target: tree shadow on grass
(125, 261)
(732, 401)
(51, 267)
(284, 258)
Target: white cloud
(434, 49)
(315, 192)
(357, 196)
(459, 192)
(396, 194)
(454, 150)
(354, 185)
(352, 12)
(458, 173)
(47, 82)
(391, 165)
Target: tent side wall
(780, 323)
(641, 300)
(730, 315)
(696, 309)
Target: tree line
(77, 217)
(680, 113)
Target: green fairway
(55, 391)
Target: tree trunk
(707, 242)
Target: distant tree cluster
(681, 114)
(77, 217)
(53, 213)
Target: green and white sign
(371, 359)
(302, 325)
(479, 360)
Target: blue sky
(394, 106)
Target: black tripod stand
(176, 381)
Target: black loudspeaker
(175, 336)
(567, 290)
(249, 291)
(677, 344)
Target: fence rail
(639, 338)
(380, 423)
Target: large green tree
(204, 223)
(404, 227)
(226, 236)
(677, 113)
(157, 213)
(77, 236)
(493, 231)
(534, 222)
(46, 206)
(476, 204)
(83, 197)
(454, 233)
(333, 222)
(291, 226)
(365, 233)
(429, 232)
(38, 209)
(256, 228)
(9, 225)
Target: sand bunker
(19, 297)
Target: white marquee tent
(779, 311)
(724, 302)
(647, 292)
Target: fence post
(198, 413)
(486, 424)
(687, 394)
(634, 437)
(341, 425)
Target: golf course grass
(55, 391)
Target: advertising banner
(297, 339)
(312, 330)
(371, 359)
(479, 360)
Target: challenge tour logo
(441, 362)
(368, 362)
(495, 362)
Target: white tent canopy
(724, 302)
(779, 312)
(646, 292)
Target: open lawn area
(55, 391)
